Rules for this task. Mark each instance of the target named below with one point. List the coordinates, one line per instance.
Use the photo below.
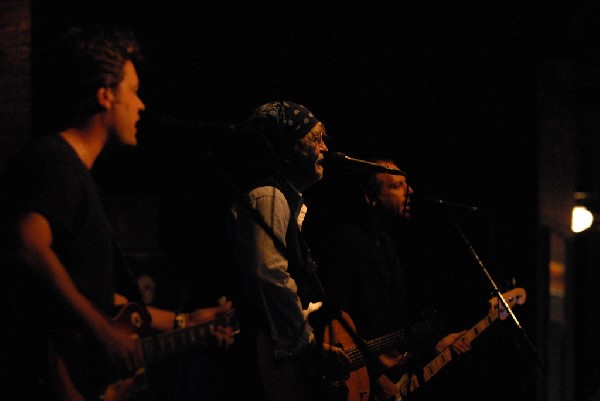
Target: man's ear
(105, 97)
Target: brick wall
(15, 76)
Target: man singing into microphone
(363, 264)
(265, 224)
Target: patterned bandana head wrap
(293, 120)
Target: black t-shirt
(363, 281)
(364, 275)
(48, 178)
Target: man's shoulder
(43, 159)
(265, 190)
(266, 193)
(350, 232)
(265, 199)
(47, 150)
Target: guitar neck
(385, 343)
(410, 382)
(443, 358)
(376, 346)
(167, 344)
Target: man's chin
(401, 215)
(319, 171)
(123, 140)
(131, 140)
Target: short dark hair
(84, 60)
(370, 185)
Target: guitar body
(83, 369)
(66, 390)
(358, 383)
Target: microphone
(421, 201)
(358, 163)
(453, 205)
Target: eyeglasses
(318, 138)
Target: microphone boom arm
(367, 164)
(501, 297)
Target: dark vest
(296, 250)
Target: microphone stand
(500, 296)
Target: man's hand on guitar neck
(459, 347)
(222, 335)
(206, 315)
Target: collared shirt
(264, 266)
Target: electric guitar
(410, 382)
(358, 382)
(85, 369)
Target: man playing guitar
(365, 279)
(55, 234)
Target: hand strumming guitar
(336, 363)
(121, 346)
(393, 359)
(390, 360)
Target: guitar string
(444, 357)
(161, 345)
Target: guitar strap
(331, 312)
(304, 271)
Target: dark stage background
(448, 90)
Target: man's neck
(385, 222)
(299, 182)
(86, 142)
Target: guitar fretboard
(410, 382)
(167, 344)
(443, 358)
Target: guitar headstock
(513, 297)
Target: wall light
(581, 219)
(585, 211)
